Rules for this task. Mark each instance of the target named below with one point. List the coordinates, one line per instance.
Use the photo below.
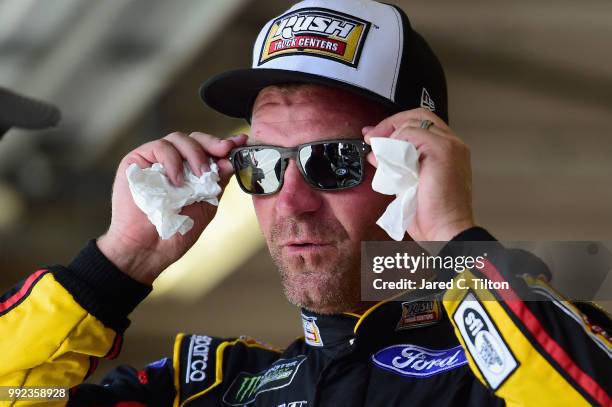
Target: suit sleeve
(524, 341)
(59, 321)
(126, 386)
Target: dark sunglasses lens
(332, 165)
(258, 169)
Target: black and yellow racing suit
(58, 322)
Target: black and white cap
(360, 45)
(21, 111)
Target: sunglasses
(326, 165)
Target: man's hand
(444, 197)
(132, 243)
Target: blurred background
(530, 86)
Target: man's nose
(296, 197)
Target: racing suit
(449, 350)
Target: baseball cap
(363, 46)
(21, 111)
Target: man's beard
(327, 281)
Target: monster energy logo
(247, 386)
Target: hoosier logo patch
(316, 32)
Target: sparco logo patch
(484, 342)
(418, 313)
(316, 32)
(247, 386)
(415, 361)
(197, 358)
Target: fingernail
(237, 139)
(196, 171)
(179, 179)
(366, 129)
(205, 168)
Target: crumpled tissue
(162, 201)
(397, 174)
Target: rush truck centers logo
(416, 314)
(316, 32)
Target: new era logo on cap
(316, 32)
(426, 101)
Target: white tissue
(161, 201)
(397, 174)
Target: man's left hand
(444, 196)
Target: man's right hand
(131, 242)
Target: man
(327, 76)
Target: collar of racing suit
(330, 331)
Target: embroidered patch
(484, 342)
(301, 403)
(247, 386)
(417, 314)
(198, 358)
(196, 363)
(312, 334)
(316, 32)
(416, 361)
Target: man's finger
(215, 146)
(138, 159)
(239, 139)
(392, 123)
(225, 169)
(163, 152)
(420, 138)
(372, 160)
(191, 151)
(409, 123)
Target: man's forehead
(325, 96)
(310, 113)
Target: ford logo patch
(415, 361)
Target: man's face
(315, 236)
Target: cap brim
(233, 93)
